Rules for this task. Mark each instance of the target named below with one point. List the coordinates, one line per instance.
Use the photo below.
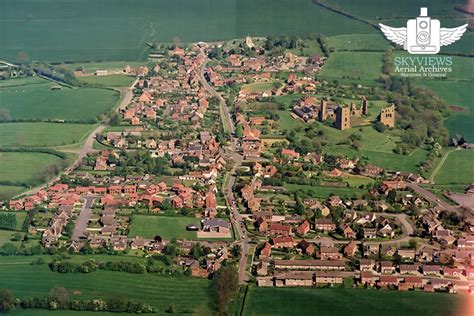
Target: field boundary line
(441, 163)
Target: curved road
(126, 98)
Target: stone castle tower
(343, 118)
(323, 111)
(365, 106)
(387, 116)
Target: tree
(117, 303)
(239, 131)
(7, 301)
(226, 283)
(59, 295)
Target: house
(452, 272)
(329, 253)
(350, 249)
(266, 251)
(387, 280)
(406, 254)
(303, 229)
(306, 247)
(290, 153)
(367, 277)
(261, 224)
(324, 224)
(334, 201)
(318, 265)
(216, 225)
(369, 233)
(366, 265)
(386, 267)
(431, 269)
(279, 229)
(408, 268)
(283, 242)
(413, 282)
(347, 231)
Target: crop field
(353, 65)
(148, 226)
(7, 191)
(41, 134)
(185, 293)
(324, 192)
(119, 30)
(458, 168)
(20, 81)
(322, 302)
(39, 102)
(371, 42)
(24, 166)
(115, 80)
(390, 9)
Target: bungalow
(216, 225)
(387, 280)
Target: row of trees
(8, 221)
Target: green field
(90, 68)
(24, 166)
(353, 65)
(167, 227)
(258, 86)
(322, 302)
(42, 134)
(39, 102)
(118, 80)
(371, 42)
(5, 237)
(457, 93)
(7, 191)
(324, 192)
(458, 168)
(391, 9)
(119, 30)
(184, 292)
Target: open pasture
(353, 65)
(21, 167)
(39, 102)
(114, 80)
(370, 42)
(458, 168)
(41, 134)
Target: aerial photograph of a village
(237, 157)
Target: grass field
(259, 86)
(23, 166)
(38, 101)
(90, 68)
(457, 93)
(40, 134)
(159, 291)
(118, 30)
(322, 302)
(167, 227)
(372, 42)
(324, 192)
(458, 168)
(353, 65)
(115, 80)
(5, 236)
(7, 191)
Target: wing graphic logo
(423, 35)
